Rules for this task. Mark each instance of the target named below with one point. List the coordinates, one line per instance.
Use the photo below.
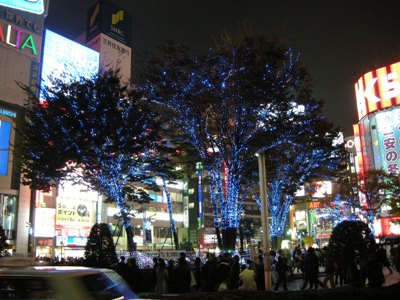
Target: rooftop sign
(378, 89)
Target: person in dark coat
(260, 276)
(133, 274)
(234, 273)
(183, 275)
(171, 276)
(311, 270)
(281, 268)
(209, 273)
(197, 266)
(223, 272)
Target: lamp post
(264, 219)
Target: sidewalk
(296, 283)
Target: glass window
(7, 215)
(25, 288)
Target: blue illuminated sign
(388, 127)
(5, 131)
(32, 6)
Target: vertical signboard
(357, 143)
(106, 17)
(5, 131)
(388, 128)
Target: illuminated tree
(350, 240)
(245, 94)
(95, 132)
(368, 194)
(100, 249)
(312, 153)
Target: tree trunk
(229, 238)
(219, 239)
(129, 237)
(176, 240)
(274, 242)
(241, 238)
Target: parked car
(63, 282)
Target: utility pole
(264, 220)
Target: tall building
(377, 134)
(21, 35)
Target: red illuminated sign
(378, 89)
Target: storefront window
(8, 210)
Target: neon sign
(5, 131)
(17, 38)
(32, 6)
(378, 89)
(388, 126)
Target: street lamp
(264, 219)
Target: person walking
(234, 273)
(311, 269)
(329, 271)
(209, 273)
(280, 268)
(161, 272)
(183, 274)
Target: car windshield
(107, 285)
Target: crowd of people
(231, 272)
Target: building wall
(20, 54)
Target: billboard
(321, 189)
(45, 222)
(113, 55)
(106, 17)
(5, 131)
(66, 59)
(388, 133)
(378, 89)
(31, 6)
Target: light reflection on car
(62, 282)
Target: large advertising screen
(388, 129)
(66, 59)
(378, 89)
(5, 131)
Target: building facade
(21, 35)
(377, 134)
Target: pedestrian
(161, 286)
(259, 270)
(171, 276)
(396, 258)
(247, 279)
(311, 270)
(234, 273)
(198, 264)
(383, 259)
(209, 273)
(133, 274)
(329, 271)
(183, 274)
(280, 268)
(222, 273)
(122, 268)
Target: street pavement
(297, 282)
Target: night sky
(338, 40)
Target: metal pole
(264, 220)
